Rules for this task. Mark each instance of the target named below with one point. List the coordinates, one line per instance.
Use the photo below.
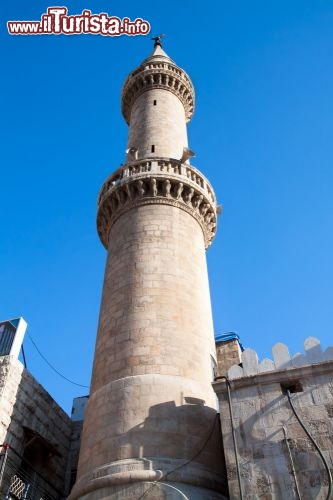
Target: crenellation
(281, 359)
(264, 433)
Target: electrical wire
(165, 476)
(52, 367)
(169, 486)
(175, 489)
(329, 493)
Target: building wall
(79, 408)
(77, 416)
(274, 452)
(227, 354)
(30, 417)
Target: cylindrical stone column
(151, 426)
(158, 125)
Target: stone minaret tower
(151, 428)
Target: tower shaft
(151, 414)
(158, 125)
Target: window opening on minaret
(153, 149)
(155, 102)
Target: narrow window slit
(153, 149)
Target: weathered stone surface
(25, 407)
(298, 360)
(235, 372)
(155, 491)
(227, 355)
(266, 365)
(261, 441)
(250, 362)
(328, 354)
(314, 353)
(281, 355)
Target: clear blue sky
(262, 132)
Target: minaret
(151, 428)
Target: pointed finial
(157, 39)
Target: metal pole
(329, 475)
(291, 462)
(227, 381)
(5, 446)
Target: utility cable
(329, 493)
(165, 476)
(198, 453)
(52, 367)
(174, 489)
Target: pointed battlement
(282, 360)
(267, 406)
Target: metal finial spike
(157, 39)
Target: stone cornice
(157, 181)
(158, 75)
(275, 377)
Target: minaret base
(153, 490)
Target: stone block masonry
(146, 368)
(34, 425)
(168, 136)
(276, 457)
(228, 354)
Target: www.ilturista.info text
(57, 22)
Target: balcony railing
(158, 167)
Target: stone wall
(29, 417)
(227, 354)
(276, 456)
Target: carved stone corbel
(203, 209)
(188, 195)
(208, 217)
(166, 187)
(153, 186)
(178, 190)
(129, 191)
(197, 200)
(140, 187)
